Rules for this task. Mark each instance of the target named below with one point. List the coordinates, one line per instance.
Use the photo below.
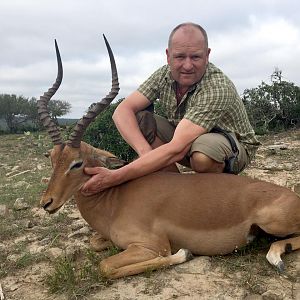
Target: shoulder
(151, 87)
(214, 75)
(161, 73)
(158, 78)
(215, 81)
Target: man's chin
(187, 81)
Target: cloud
(250, 54)
(248, 40)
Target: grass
(19, 261)
(27, 259)
(22, 168)
(22, 154)
(251, 263)
(78, 276)
(76, 279)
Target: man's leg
(202, 163)
(157, 131)
(209, 152)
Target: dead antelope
(161, 218)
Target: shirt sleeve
(151, 87)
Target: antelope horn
(42, 104)
(94, 110)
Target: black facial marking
(288, 248)
(77, 165)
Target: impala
(163, 218)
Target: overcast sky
(248, 40)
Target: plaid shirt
(213, 101)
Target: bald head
(188, 29)
(187, 54)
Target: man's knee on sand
(202, 163)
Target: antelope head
(69, 159)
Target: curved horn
(84, 122)
(42, 104)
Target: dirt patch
(48, 257)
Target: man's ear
(168, 56)
(208, 52)
(114, 162)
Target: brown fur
(156, 215)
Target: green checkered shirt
(211, 102)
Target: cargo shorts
(214, 145)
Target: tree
(273, 106)
(258, 102)
(58, 108)
(13, 110)
(19, 111)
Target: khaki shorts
(213, 145)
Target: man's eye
(196, 57)
(77, 165)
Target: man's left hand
(101, 179)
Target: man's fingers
(92, 171)
(87, 193)
(87, 187)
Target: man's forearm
(153, 161)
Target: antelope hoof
(186, 254)
(189, 255)
(280, 267)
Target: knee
(202, 163)
(106, 270)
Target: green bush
(103, 134)
(273, 107)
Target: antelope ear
(114, 162)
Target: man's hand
(101, 179)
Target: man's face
(187, 56)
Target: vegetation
(273, 107)
(270, 107)
(74, 274)
(21, 114)
(76, 280)
(102, 133)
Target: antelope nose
(46, 205)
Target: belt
(231, 163)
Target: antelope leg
(280, 247)
(137, 259)
(98, 243)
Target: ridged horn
(94, 110)
(42, 103)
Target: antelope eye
(77, 165)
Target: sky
(248, 40)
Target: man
(202, 106)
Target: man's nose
(187, 64)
